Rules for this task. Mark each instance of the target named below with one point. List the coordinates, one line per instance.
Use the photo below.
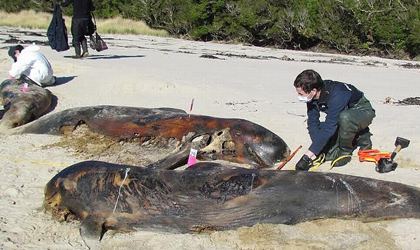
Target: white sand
(245, 82)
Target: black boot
(77, 51)
(85, 48)
(341, 161)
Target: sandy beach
(231, 81)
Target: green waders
(352, 132)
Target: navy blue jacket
(335, 97)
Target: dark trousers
(79, 29)
(353, 130)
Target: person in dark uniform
(81, 24)
(346, 124)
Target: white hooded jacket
(33, 64)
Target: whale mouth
(265, 158)
(255, 156)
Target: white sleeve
(20, 66)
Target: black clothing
(57, 31)
(81, 8)
(80, 29)
(81, 23)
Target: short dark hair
(12, 51)
(307, 80)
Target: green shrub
(384, 27)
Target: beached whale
(233, 140)
(210, 196)
(22, 107)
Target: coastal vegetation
(388, 28)
(41, 20)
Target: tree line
(388, 28)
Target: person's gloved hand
(304, 164)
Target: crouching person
(32, 64)
(346, 124)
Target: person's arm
(313, 120)
(18, 68)
(66, 3)
(23, 63)
(313, 123)
(337, 102)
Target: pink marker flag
(192, 157)
(25, 87)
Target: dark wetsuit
(349, 114)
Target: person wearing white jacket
(31, 63)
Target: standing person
(348, 115)
(31, 63)
(81, 24)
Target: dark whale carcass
(210, 196)
(22, 107)
(233, 140)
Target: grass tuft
(37, 20)
(26, 19)
(120, 25)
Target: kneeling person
(346, 125)
(31, 63)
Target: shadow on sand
(60, 80)
(96, 57)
